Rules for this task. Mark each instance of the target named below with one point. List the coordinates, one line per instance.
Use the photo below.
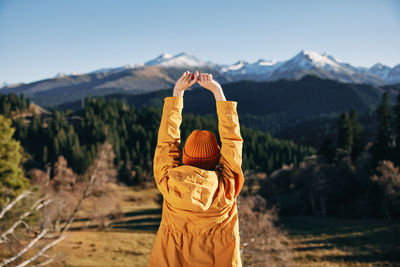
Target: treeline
(386, 140)
(133, 134)
(348, 177)
(12, 102)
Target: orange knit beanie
(201, 150)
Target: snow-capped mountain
(125, 67)
(63, 74)
(380, 70)
(179, 60)
(261, 66)
(394, 75)
(160, 59)
(305, 62)
(157, 74)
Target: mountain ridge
(162, 72)
(261, 66)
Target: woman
(199, 225)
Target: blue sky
(43, 37)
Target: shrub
(263, 243)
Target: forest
(349, 177)
(132, 133)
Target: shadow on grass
(141, 220)
(314, 248)
(364, 241)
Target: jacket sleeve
(231, 148)
(181, 188)
(167, 151)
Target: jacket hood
(192, 187)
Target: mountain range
(305, 62)
(162, 72)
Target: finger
(211, 76)
(190, 77)
(197, 75)
(203, 76)
(194, 79)
(187, 77)
(208, 77)
(183, 77)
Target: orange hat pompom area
(201, 150)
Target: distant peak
(165, 55)
(263, 62)
(182, 54)
(325, 54)
(63, 74)
(379, 66)
(397, 67)
(306, 52)
(307, 55)
(181, 59)
(240, 62)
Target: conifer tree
(357, 142)
(12, 179)
(396, 159)
(44, 155)
(35, 124)
(345, 135)
(28, 101)
(328, 149)
(21, 102)
(382, 148)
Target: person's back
(199, 225)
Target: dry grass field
(315, 241)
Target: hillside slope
(305, 111)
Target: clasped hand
(188, 79)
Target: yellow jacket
(199, 225)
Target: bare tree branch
(35, 207)
(84, 196)
(12, 203)
(39, 204)
(22, 251)
(43, 250)
(45, 262)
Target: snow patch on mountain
(118, 69)
(380, 70)
(394, 75)
(63, 74)
(179, 60)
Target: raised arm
(229, 132)
(167, 151)
(231, 146)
